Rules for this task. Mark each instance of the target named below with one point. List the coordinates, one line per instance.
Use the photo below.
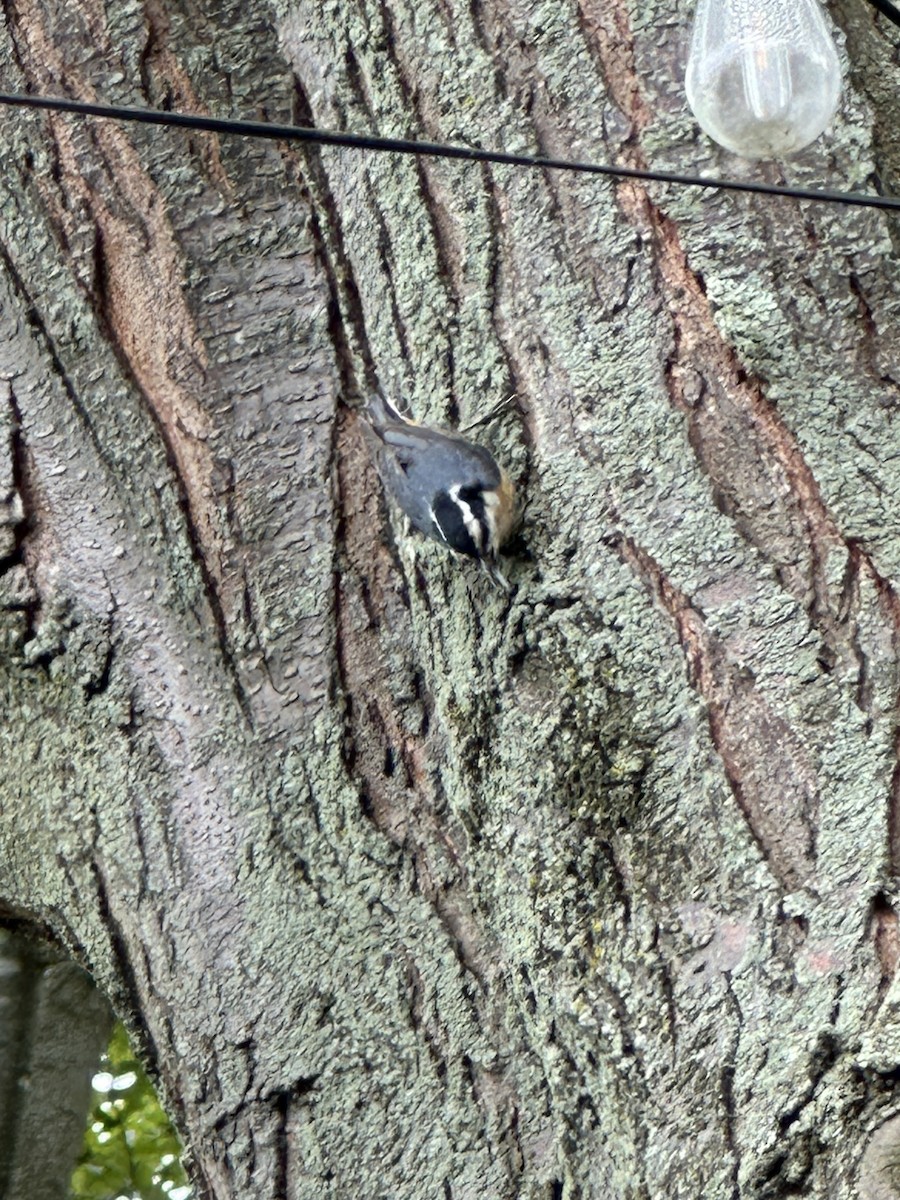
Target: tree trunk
(409, 888)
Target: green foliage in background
(131, 1151)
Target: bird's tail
(381, 412)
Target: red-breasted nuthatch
(451, 489)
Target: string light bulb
(763, 76)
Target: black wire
(885, 6)
(322, 137)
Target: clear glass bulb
(763, 77)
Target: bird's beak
(495, 575)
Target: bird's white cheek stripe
(473, 526)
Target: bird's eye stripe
(474, 527)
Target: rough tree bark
(407, 888)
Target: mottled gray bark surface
(408, 888)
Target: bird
(451, 489)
